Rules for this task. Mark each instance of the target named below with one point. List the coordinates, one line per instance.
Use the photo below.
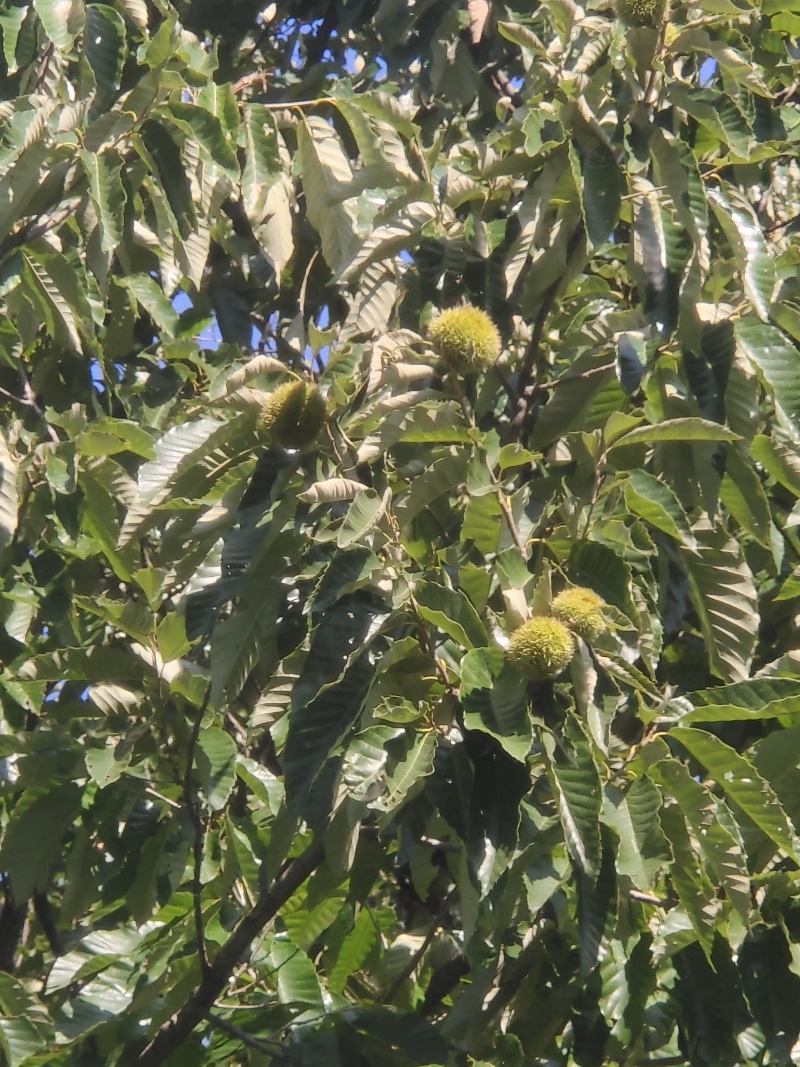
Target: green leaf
(353, 951)
(765, 961)
(151, 296)
(262, 161)
(215, 759)
(41, 815)
(57, 285)
(415, 1038)
(642, 849)
(522, 36)
(676, 169)
(600, 568)
(444, 476)
(688, 429)
(724, 597)
(142, 894)
(743, 496)
(237, 642)
(743, 231)
(741, 783)
(363, 515)
(105, 47)
(722, 853)
(103, 172)
(309, 912)
(326, 170)
(779, 461)
(710, 1000)
(567, 408)
(206, 130)
(9, 498)
(104, 766)
(297, 978)
(656, 503)
(451, 612)
(578, 795)
(495, 700)
(596, 897)
(407, 771)
(601, 193)
(62, 21)
(346, 572)
(179, 449)
(162, 153)
(387, 241)
(718, 114)
(23, 1038)
(316, 728)
(688, 878)
(11, 19)
(757, 698)
(777, 362)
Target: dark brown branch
(527, 386)
(443, 980)
(512, 974)
(173, 1033)
(44, 913)
(412, 963)
(12, 926)
(315, 48)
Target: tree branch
(198, 837)
(413, 961)
(37, 227)
(443, 980)
(527, 385)
(174, 1032)
(44, 913)
(12, 926)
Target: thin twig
(508, 515)
(510, 978)
(527, 385)
(271, 1048)
(28, 400)
(193, 808)
(409, 968)
(665, 1061)
(37, 227)
(590, 373)
(259, 77)
(503, 503)
(645, 898)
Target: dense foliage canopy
(271, 787)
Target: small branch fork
(197, 1008)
